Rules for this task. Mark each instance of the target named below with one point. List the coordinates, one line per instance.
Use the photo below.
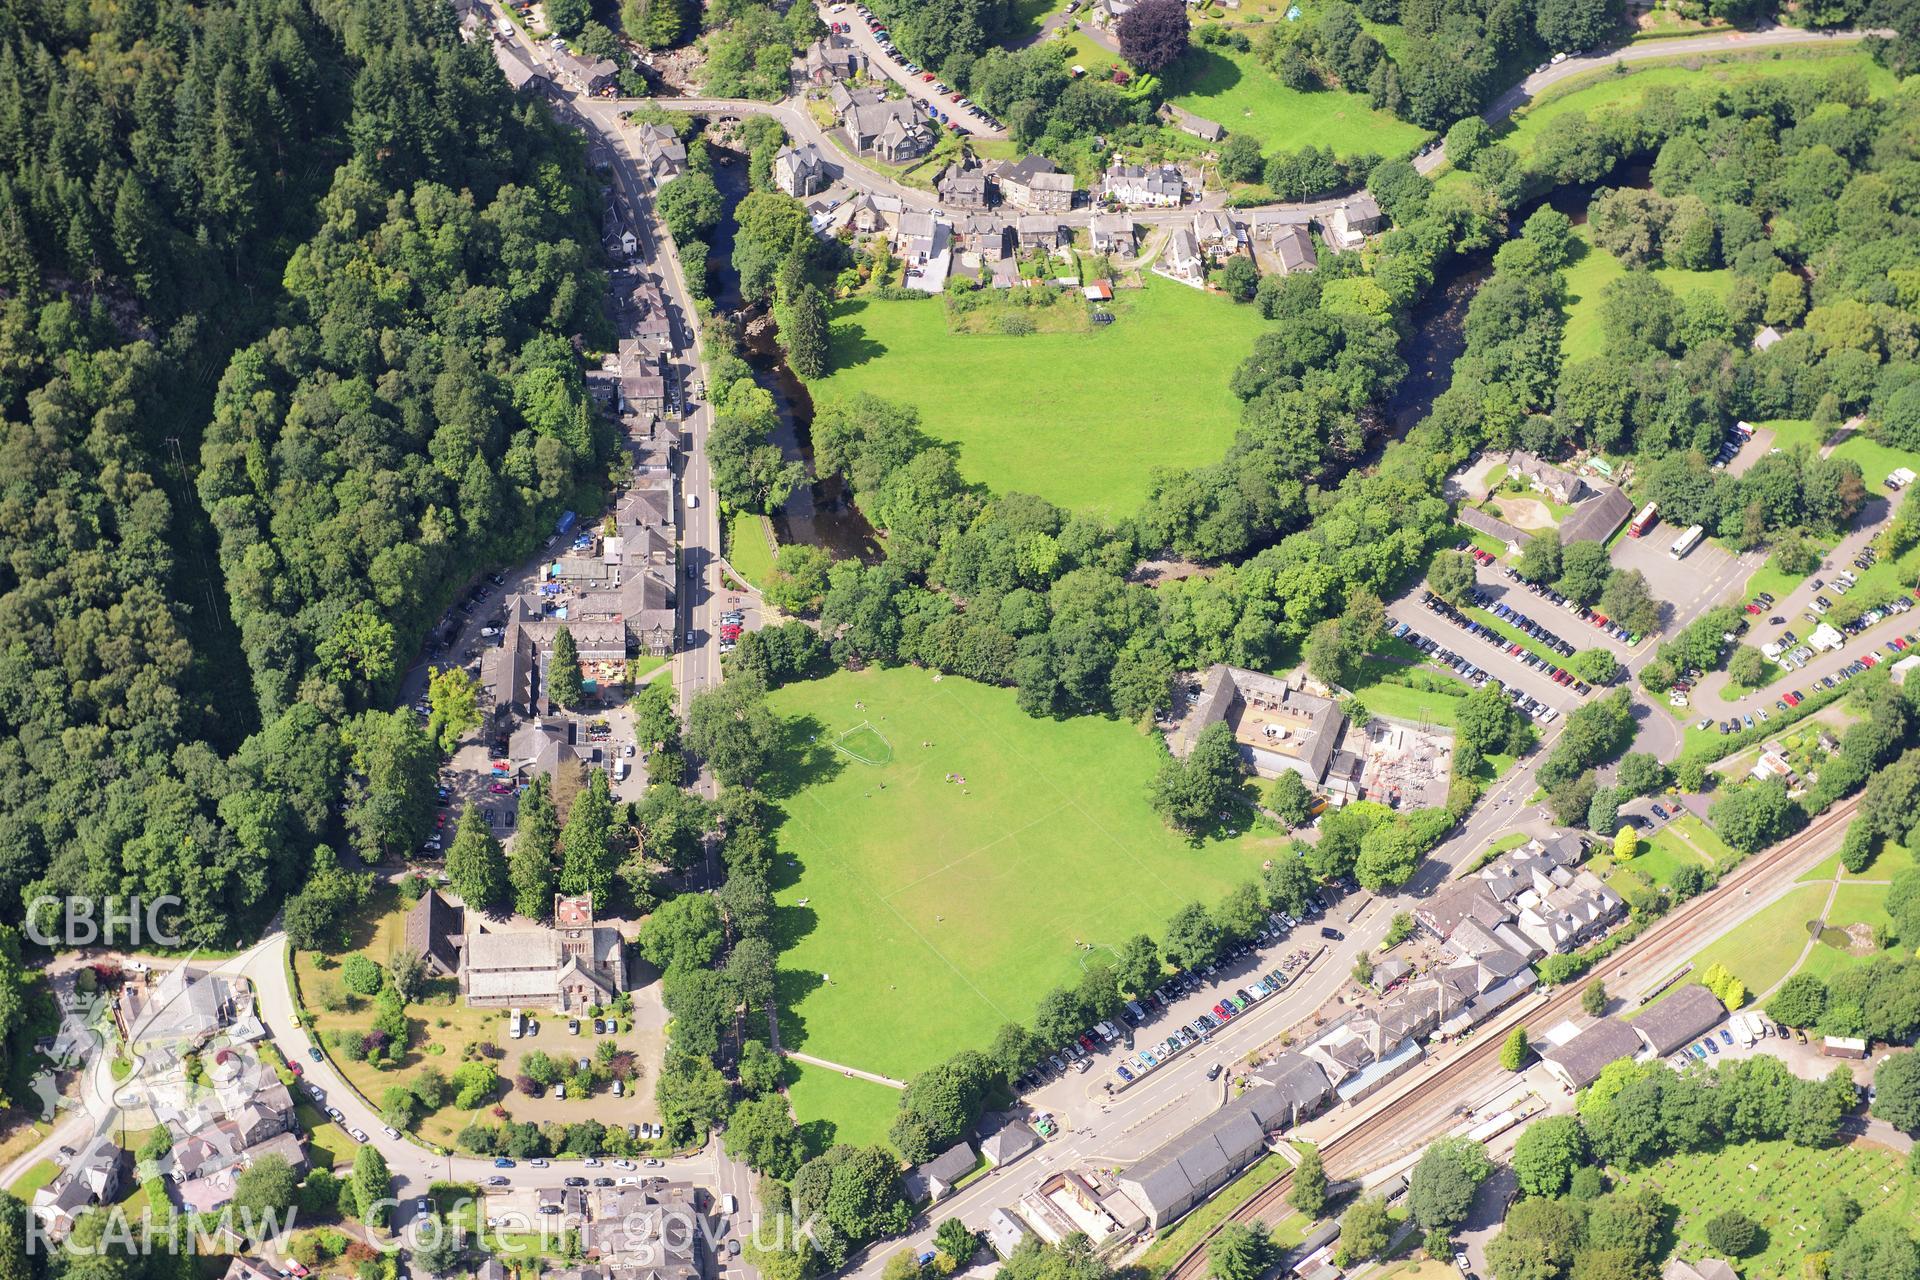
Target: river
(821, 513)
(1437, 324)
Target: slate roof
(1293, 245)
(1110, 227)
(1025, 171)
(519, 72)
(1681, 1018)
(1183, 251)
(434, 928)
(1167, 1181)
(1132, 183)
(1582, 1059)
(1008, 1143)
(1199, 126)
(951, 1165)
(1494, 527)
(1296, 1080)
(1594, 518)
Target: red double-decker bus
(1644, 521)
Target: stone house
(1036, 184)
(1134, 186)
(801, 171)
(833, 58)
(890, 129)
(963, 185)
(1113, 233)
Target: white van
(728, 1204)
(619, 770)
(516, 1025)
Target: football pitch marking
(866, 744)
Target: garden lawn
(1780, 1186)
(1764, 949)
(1660, 857)
(749, 549)
(917, 914)
(1611, 92)
(839, 1108)
(1416, 692)
(439, 1019)
(328, 1145)
(1593, 269)
(33, 1179)
(1234, 90)
(1853, 903)
(1081, 419)
(1703, 838)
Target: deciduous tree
(1153, 34)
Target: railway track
(1389, 1119)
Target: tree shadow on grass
(849, 344)
(791, 986)
(819, 1135)
(791, 924)
(804, 758)
(1203, 72)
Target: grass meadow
(1081, 419)
(750, 548)
(917, 913)
(1607, 91)
(1764, 949)
(1593, 269)
(1234, 90)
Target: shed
(936, 1178)
(1008, 1143)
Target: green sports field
(839, 1108)
(1078, 418)
(918, 914)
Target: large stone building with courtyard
(568, 967)
(1282, 725)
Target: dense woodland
(348, 205)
